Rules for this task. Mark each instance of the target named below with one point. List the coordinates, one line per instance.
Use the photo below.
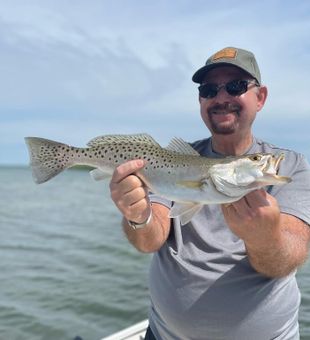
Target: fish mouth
(270, 171)
(272, 164)
(278, 161)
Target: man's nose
(222, 94)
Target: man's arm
(276, 243)
(131, 198)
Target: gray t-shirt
(202, 285)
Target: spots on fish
(116, 153)
(111, 153)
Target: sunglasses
(233, 88)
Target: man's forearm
(284, 255)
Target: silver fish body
(177, 172)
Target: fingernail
(140, 162)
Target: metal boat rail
(135, 332)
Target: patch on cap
(226, 53)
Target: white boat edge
(134, 332)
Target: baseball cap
(243, 59)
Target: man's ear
(261, 96)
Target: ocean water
(66, 268)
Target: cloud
(82, 74)
(75, 70)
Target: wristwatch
(135, 225)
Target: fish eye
(256, 158)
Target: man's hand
(276, 243)
(255, 218)
(129, 193)
(131, 197)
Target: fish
(176, 172)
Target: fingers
(246, 208)
(249, 204)
(129, 193)
(123, 180)
(230, 213)
(255, 218)
(258, 198)
(127, 184)
(134, 199)
(138, 211)
(126, 169)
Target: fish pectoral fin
(185, 211)
(99, 175)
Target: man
(229, 273)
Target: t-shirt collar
(212, 153)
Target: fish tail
(47, 158)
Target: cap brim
(201, 73)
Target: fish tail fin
(47, 158)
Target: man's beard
(222, 109)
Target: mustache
(228, 107)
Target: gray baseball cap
(243, 59)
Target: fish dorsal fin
(118, 139)
(180, 146)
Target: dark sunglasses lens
(237, 87)
(208, 90)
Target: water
(66, 268)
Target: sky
(74, 70)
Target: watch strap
(136, 225)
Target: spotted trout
(176, 172)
